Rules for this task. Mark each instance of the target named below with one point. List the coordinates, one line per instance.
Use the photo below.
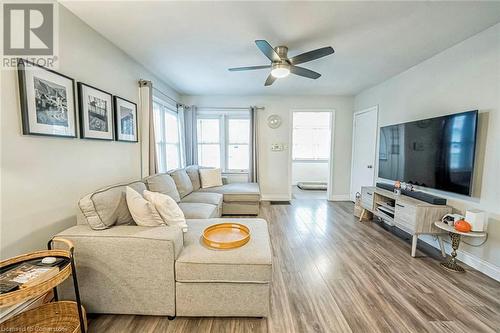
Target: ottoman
(224, 283)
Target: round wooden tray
(51, 317)
(226, 235)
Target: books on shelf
(13, 310)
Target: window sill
(235, 173)
(309, 161)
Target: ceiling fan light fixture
(280, 71)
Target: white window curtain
(149, 164)
(182, 133)
(190, 135)
(168, 135)
(253, 174)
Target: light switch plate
(276, 147)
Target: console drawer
(405, 214)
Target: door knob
(370, 166)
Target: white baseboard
(473, 261)
(340, 197)
(274, 197)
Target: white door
(364, 147)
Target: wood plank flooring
(334, 274)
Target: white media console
(411, 215)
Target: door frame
(375, 165)
(329, 191)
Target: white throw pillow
(168, 209)
(143, 212)
(210, 177)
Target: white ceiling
(191, 44)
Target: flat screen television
(436, 153)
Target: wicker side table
(64, 316)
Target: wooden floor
(334, 274)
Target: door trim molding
(356, 113)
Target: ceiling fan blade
(268, 50)
(249, 68)
(304, 72)
(270, 80)
(311, 55)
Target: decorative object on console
(125, 120)
(47, 101)
(463, 226)
(226, 236)
(96, 113)
(274, 121)
(450, 219)
(397, 188)
(477, 219)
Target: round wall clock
(274, 121)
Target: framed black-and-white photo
(47, 101)
(96, 113)
(125, 120)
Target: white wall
(309, 172)
(464, 77)
(43, 177)
(274, 167)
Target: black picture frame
(82, 112)
(25, 103)
(118, 136)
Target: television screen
(436, 153)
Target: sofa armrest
(123, 232)
(125, 269)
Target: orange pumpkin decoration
(463, 226)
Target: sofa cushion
(194, 175)
(169, 210)
(211, 177)
(108, 206)
(249, 263)
(237, 192)
(163, 183)
(182, 182)
(204, 197)
(143, 212)
(193, 210)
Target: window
(168, 150)
(238, 144)
(224, 140)
(209, 142)
(311, 136)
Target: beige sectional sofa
(128, 269)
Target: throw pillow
(210, 177)
(143, 212)
(168, 209)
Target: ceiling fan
(281, 66)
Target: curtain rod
(164, 94)
(144, 83)
(230, 108)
